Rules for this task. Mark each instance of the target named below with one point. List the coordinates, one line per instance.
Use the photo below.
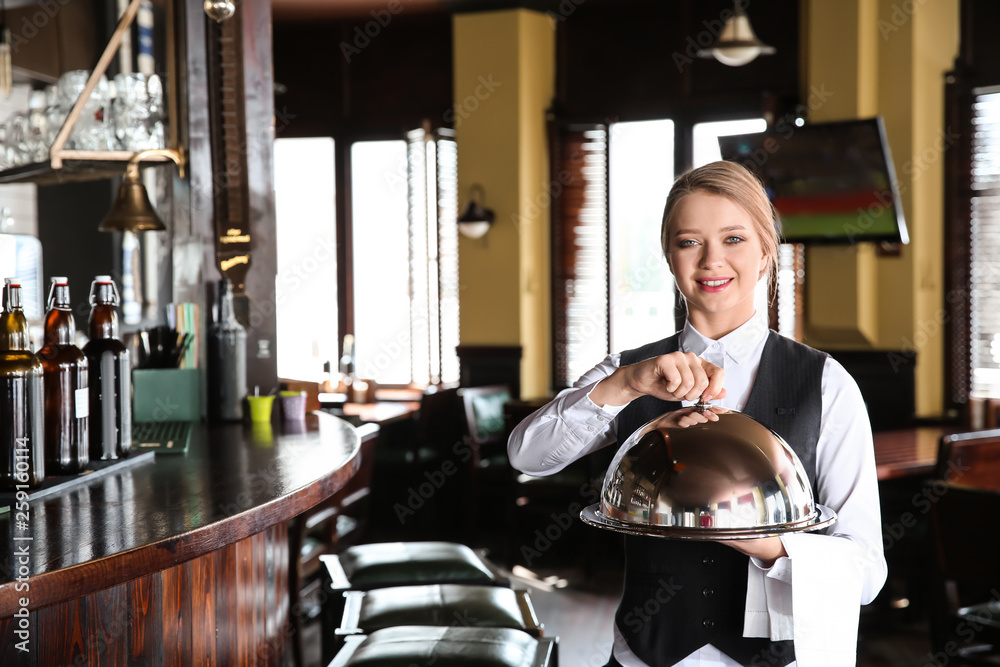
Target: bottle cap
(12, 282)
(103, 279)
(59, 280)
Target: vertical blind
(433, 272)
(580, 250)
(984, 244)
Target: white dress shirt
(813, 595)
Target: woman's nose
(710, 256)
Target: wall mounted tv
(829, 182)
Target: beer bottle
(67, 402)
(22, 449)
(227, 360)
(110, 376)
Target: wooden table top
(905, 452)
(233, 482)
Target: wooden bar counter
(179, 560)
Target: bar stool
(379, 565)
(448, 647)
(439, 605)
(388, 564)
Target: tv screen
(829, 182)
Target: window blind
(432, 180)
(580, 250)
(984, 244)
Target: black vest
(681, 595)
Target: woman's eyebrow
(731, 228)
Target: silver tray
(592, 515)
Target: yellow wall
(889, 58)
(504, 81)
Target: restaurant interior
(437, 214)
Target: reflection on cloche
(727, 479)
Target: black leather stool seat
(380, 565)
(456, 605)
(405, 646)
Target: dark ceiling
(339, 9)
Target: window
(640, 173)
(403, 258)
(306, 281)
(405, 255)
(612, 289)
(984, 246)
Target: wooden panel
(70, 641)
(146, 613)
(226, 615)
(176, 615)
(203, 608)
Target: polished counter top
(233, 482)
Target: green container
(166, 394)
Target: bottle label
(82, 397)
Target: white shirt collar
(739, 344)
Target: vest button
(707, 561)
(708, 624)
(707, 592)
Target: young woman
(767, 601)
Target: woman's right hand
(678, 376)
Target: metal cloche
(728, 479)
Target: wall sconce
(737, 43)
(476, 220)
(131, 210)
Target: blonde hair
(734, 182)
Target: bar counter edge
(184, 556)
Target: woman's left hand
(691, 416)
(766, 549)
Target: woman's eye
(735, 239)
(687, 243)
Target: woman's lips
(714, 284)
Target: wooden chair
(556, 501)
(489, 473)
(965, 582)
(970, 459)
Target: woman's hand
(689, 417)
(766, 549)
(678, 376)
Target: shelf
(76, 166)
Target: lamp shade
(475, 221)
(728, 479)
(737, 43)
(131, 210)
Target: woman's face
(717, 258)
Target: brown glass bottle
(110, 376)
(67, 401)
(22, 453)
